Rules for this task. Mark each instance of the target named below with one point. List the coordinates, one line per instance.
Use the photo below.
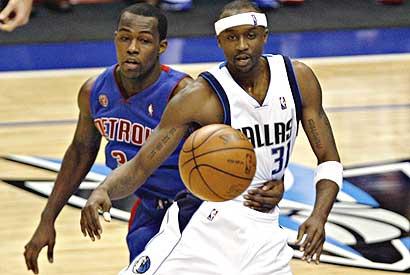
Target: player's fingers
(301, 233)
(8, 26)
(262, 200)
(34, 264)
(6, 12)
(106, 211)
(318, 254)
(26, 257)
(107, 216)
(50, 251)
(82, 225)
(306, 243)
(95, 219)
(90, 233)
(314, 241)
(88, 224)
(32, 255)
(310, 256)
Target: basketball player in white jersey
(264, 96)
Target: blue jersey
(127, 123)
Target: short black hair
(237, 5)
(148, 10)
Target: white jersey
(271, 126)
(194, 231)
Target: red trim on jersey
(165, 68)
(133, 211)
(176, 85)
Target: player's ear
(219, 41)
(163, 44)
(265, 35)
(115, 34)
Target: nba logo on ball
(141, 265)
(217, 163)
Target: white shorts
(220, 238)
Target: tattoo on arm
(315, 134)
(160, 145)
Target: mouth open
(242, 59)
(131, 64)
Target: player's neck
(132, 86)
(256, 81)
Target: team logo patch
(141, 265)
(369, 226)
(151, 110)
(212, 215)
(103, 99)
(282, 101)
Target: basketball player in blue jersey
(124, 104)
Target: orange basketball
(217, 163)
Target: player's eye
(251, 35)
(145, 40)
(124, 38)
(231, 37)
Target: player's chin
(243, 68)
(131, 73)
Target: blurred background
(359, 50)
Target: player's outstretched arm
(76, 163)
(15, 14)
(319, 132)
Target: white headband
(249, 18)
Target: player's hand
(266, 197)
(15, 14)
(90, 221)
(314, 228)
(45, 235)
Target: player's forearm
(75, 166)
(326, 192)
(124, 180)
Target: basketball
(217, 163)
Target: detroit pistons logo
(141, 265)
(103, 99)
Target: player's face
(138, 45)
(243, 46)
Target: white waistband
(237, 208)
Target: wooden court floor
(367, 99)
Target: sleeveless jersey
(271, 126)
(127, 123)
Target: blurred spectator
(176, 5)
(273, 4)
(292, 2)
(391, 2)
(58, 5)
(15, 14)
(169, 5)
(266, 4)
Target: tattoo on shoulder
(159, 146)
(315, 134)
